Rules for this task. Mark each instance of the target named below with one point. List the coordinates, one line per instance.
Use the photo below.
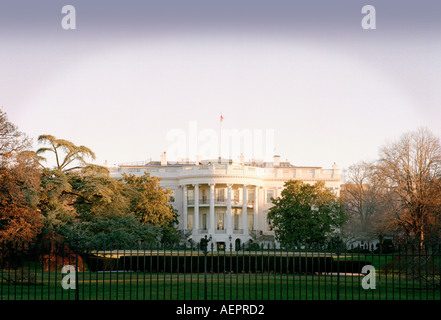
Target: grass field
(144, 286)
(32, 283)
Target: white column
(211, 217)
(256, 207)
(229, 218)
(184, 207)
(196, 210)
(244, 211)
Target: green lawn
(144, 286)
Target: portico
(222, 210)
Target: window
(220, 246)
(250, 217)
(204, 221)
(204, 196)
(190, 196)
(190, 221)
(236, 196)
(269, 195)
(220, 195)
(220, 221)
(250, 196)
(236, 214)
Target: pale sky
(134, 72)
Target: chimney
(335, 171)
(163, 159)
(276, 161)
(241, 158)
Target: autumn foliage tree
(20, 220)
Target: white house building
(227, 200)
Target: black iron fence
(108, 271)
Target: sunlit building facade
(227, 200)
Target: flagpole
(220, 139)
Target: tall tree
(20, 221)
(12, 141)
(56, 199)
(99, 195)
(305, 213)
(65, 153)
(72, 186)
(410, 168)
(364, 202)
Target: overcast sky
(134, 73)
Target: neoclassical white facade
(227, 200)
